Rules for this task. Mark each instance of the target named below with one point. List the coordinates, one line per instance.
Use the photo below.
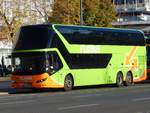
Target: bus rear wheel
(68, 83)
(129, 79)
(119, 80)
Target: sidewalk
(4, 86)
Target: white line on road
(78, 106)
(88, 95)
(17, 102)
(141, 99)
(16, 96)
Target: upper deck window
(101, 36)
(33, 37)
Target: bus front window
(28, 63)
(36, 63)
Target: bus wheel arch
(68, 82)
(128, 79)
(119, 79)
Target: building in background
(133, 10)
(133, 14)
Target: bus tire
(68, 83)
(119, 80)
(129, 79)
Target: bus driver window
(54, 62)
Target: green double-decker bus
(66, 56)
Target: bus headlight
(42, 80)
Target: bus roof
(94, 27)
(103, 28)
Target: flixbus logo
(89, 49)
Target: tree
(11, 19)
(95, 13)
(65, 12)
(42, 8)
(15, 13)
(99, 13)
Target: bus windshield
(28, 63)
(33, 37)
(35, 63)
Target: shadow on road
(5, 88)
(29, 91)
(144, 82)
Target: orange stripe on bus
(129, 57)
(134, 65)
(142, 77)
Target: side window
(100, 36)
(54, 61)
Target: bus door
(148, 61)
(53, 63)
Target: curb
(3, 93)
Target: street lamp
(81, 12)
(68, 16)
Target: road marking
(16, 96)
(141, 99)
(88, 95)
(78, 106)
(17, 102)
(141, 86)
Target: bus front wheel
(119, 80)
(129, 79)
(68, 83)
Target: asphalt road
(133, 99)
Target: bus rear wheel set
(121, 82)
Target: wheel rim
(68, 83)
(119, 80)
(128, 79)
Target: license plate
(27, 85)
(26, 79)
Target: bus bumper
(35, 81)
